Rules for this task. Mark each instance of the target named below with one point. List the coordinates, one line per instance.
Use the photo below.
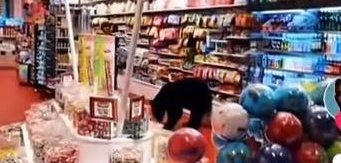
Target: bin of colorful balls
(274, 126)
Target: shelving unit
(165, 56)
(173, 11)
(292, 51)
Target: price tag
(103, 108)
(136, 108)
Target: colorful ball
(334, 149)
(321, 127)
(230, 121)
(310, 152)
(291, 99)
(235, 152)
(218, 140)
(258, 100)
(285, 129)
(315, 90)
(275, 153)
(186, 145)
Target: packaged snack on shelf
(126, 154)
(63, 152)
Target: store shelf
(293, 4)
(28, 145)
(92, 2)
(225, 93)
(181, 69)
(228, 66)
(228, 55)
(165, 11)
(293, 53)
(167, 54)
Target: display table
(99, 150)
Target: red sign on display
(136, 108)
(103, 108)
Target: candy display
(51, 140)
(186, 145)
(296, 131)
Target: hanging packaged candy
(205, 21)
(158, 21)
(213, 21)
(228, 19)
(104, 65)
(85, 57)
(184, 19)
(173, 19)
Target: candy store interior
(169, 81)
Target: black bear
(188, 93)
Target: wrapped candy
(126, 155)
(64, 152)
(13, 160)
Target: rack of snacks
(57, 9)
(299, 47)
(188, 41)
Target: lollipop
(230, 121)
(312, 153)
(285, 128)
(321, 127)
(186, 145)
(258, 100)
(236, 152)
(274, 153)
(293, 100)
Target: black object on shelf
(44, 54)
(254, 5)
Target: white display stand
(93, 150)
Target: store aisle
(14, 98)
